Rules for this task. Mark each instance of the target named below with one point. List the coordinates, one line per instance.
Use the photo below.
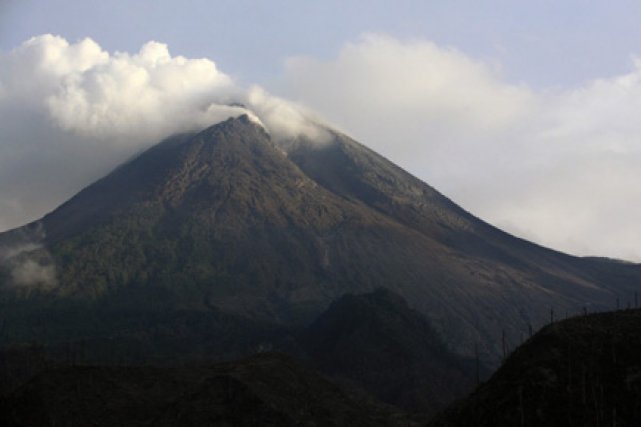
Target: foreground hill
(375, 341)
(584, 371)
(266, 390)
(371, 344)
(268, 233)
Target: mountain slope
(476, 273)
(584, 371)
(230, 221)
(224, 210)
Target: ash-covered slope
(226, 220)
(584, 371)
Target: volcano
(231, 239)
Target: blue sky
(525, 113)
(542, 43)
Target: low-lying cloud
(559, 166)
(25, 262)
(70, 112)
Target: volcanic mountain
(232, 228)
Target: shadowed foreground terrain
(266, 390)
(376, 342)
(584, 371)
(373, 346)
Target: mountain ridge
(582, 371)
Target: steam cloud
(69, 113)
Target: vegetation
(377, 342)
(584, 371)
(266, 390)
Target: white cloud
(28, 263)
(70, 112)
(559, 166)
(30, 273)
(416, 78)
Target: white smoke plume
(70, 112)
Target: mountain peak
(234, 123)
(166, 174)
